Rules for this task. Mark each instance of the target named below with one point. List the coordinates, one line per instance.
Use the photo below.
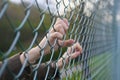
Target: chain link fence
(24, 23)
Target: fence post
(116, 32)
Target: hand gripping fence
(24, 23)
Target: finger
(56, 35)
(60, 29)
(64, 23)
(67, 56)
(66, 43)
(64, 19)
(75, 54)
(70, 50)
(77, 47)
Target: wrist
(59, 63)
(44, 45)
(22, 59)
(32, 55)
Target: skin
(60, 29)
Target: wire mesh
(24, 23)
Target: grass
(97, 62)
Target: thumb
(66, 43)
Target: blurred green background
(13, 17)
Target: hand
(71, 53)
(55, 36)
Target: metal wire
(90, 24)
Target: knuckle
(77, 44)
(57, 26)
(56, 33)
(60, 25)
(62, 31)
